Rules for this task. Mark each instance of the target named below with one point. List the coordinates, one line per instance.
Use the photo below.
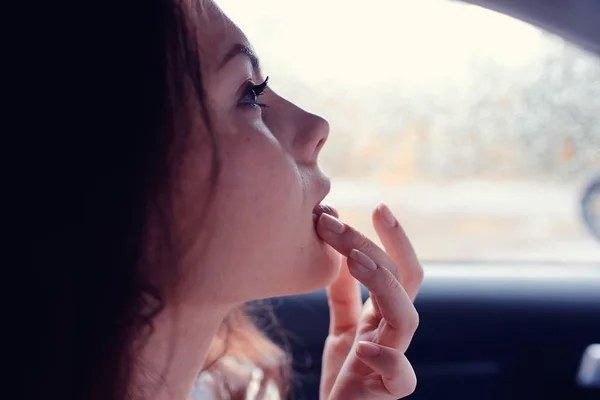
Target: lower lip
(323, 209)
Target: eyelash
(252, 92)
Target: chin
(314, 265)
(331, 265)
(323, 263)
(320, 270)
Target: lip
(320, 207)
(324, 209)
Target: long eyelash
(252, 92)
(259, 90)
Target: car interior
(519, 329)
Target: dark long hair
(97, 92)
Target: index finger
(344, 239)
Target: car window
(481, 132)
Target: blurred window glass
(479, 130)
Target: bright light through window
(479, 130)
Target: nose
(312, 133)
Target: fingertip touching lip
(324, 209)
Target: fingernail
(367, 349)
(332, 223)
(387, 215)
(363, 260)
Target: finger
(345, 302)
(373, 301)
(345, 238)
(400, 250)
(397, 375)
(396, 308)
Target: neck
(172, 357)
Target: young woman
(163, 184)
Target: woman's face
(258, 239)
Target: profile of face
(258, 239)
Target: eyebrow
(241, 49)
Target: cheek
(264, 186)
(259, 176)
(261, 194)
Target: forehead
(217, 34)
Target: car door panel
(487, 331)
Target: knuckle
(411, 385)
(417, 274)
(391, 283)
(385, 282)
(413, 273)
(404, 380)
(407, 324)
(397, 369)
(361, 242)
(412, 323)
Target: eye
(251, 94)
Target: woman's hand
(364, 352)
